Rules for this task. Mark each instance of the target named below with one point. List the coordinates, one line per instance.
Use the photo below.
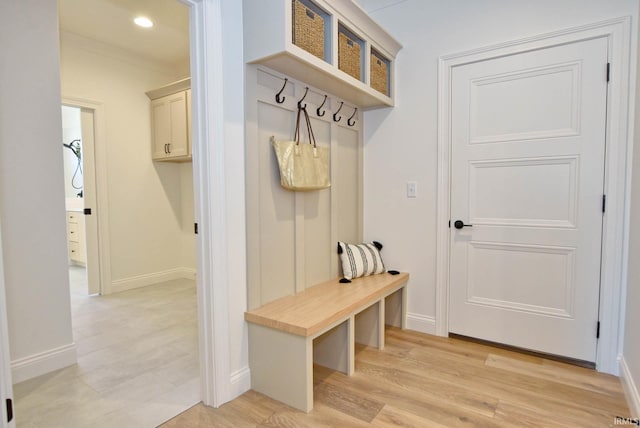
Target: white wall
(234, 160)
(32, 209)
(188, 249)
(150, 203)
(400, 143)
(630, 370)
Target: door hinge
(195, 228)
(9, 410)
(604, 203)
(449, 224)
(87, 211)
(608, 71)
(598, 330)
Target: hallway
(137, 360)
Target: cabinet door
(160, 128)
(179, 144)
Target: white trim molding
(421, 323)
(630, 389)
(240, 381)
(44, 362)
(617, 167)
(145, 280)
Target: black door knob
(459, 224)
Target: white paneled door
(527, 176)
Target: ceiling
(374, 5)
(111, 22)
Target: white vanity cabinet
(76, 238)
(170, 122)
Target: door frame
(619, 134)
(98, 244)
(210, 184)
(6, 385)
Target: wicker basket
(379, 73)
(308, 29)
(349, 55)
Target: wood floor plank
(539, 417)
(391, 416)
(505, 384)
(347, 402)
(425, 381)
(583, 380)
(425, 404)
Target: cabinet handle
(169, 148)
(165, 149)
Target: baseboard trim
(630, 389)
(145, 280)
(421, 323)
(38, 364)
(240, 382)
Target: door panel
(528, 134)
(90, 201)
(496, 195)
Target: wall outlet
(412, 189)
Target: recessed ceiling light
(143, 21)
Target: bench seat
(321, 325)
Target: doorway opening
(130, 223)
(78, 147)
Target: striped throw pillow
(360, 260)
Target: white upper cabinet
(333, 45)
(170, 122)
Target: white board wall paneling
(292, 236)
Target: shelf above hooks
(272, 46)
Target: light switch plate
(412, 189)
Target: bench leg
(333, 349)
(370, 326)
(396, 308)
(281, 366)
(403, 310)
(381, 319)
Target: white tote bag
(303, 167)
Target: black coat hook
(279, 99)
(335, 115)
(303, 97)
(318, 109)
(349, 122)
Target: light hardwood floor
(425, 381)
(137, 361)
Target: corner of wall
(630, 389)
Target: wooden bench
(320, 325)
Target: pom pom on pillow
(360, 260)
